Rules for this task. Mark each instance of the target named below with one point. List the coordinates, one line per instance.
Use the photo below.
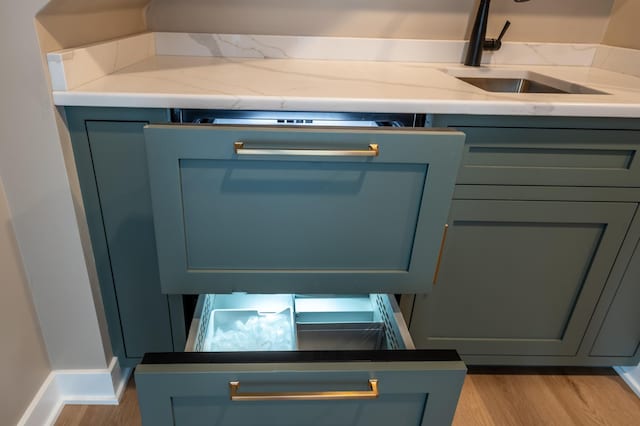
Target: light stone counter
(307, 74)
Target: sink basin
(508, 81)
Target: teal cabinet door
(619, 335)
(365, 388)
(110, 159)
(270, 210)
(520, 277)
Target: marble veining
(247, 47)
(365, 49)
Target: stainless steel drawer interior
(250, 322)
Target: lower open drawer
(362, 369)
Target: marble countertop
(286, 83)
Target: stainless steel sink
(521, 82)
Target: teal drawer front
(557, 151)
(529, 156)
(299, 223)
(357, 388)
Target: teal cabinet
(537, 266)
(619, 335)
(110, 159)
(532, 273)
(299, 209)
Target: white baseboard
(631, 375)
(45, 406)
(99, 386)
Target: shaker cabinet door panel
(520, 277)
(271, 210)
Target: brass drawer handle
(444, 239)
(373, 151)
(372, 393)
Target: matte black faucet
(478, 41)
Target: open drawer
(380, 380)
(292, 210)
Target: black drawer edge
(299, 356)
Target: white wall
(23, 359)
(581, 21)
(40, 200)
(622, 30)
(68, 23)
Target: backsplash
(618, 59)
(366, 49)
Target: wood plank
(549, 396)
(125, 414)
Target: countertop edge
(523, 108)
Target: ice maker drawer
(221, 320)
(395, 384)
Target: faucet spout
(477, 41)
(478, 35)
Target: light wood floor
(562, 397)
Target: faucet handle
(496, 43)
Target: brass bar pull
(373, 151)
(235, 394)
(444, 238)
